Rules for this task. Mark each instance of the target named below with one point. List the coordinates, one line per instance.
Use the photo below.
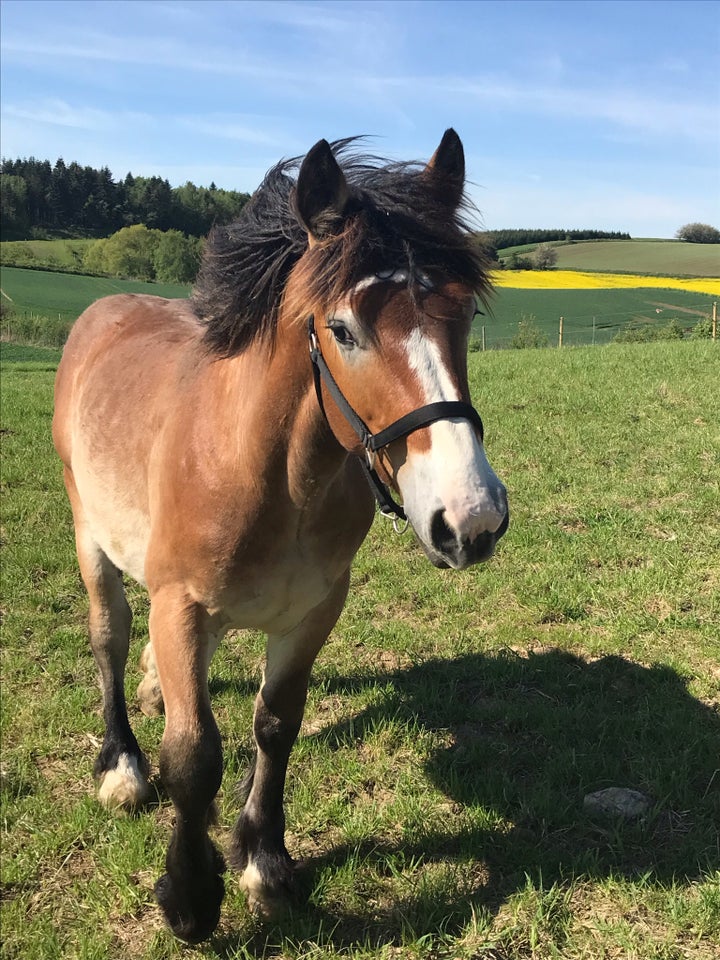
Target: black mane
(394, 221)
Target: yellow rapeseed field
(577, 280)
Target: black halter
(372, 442)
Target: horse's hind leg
(149, 693)
(258, 846)
(121, 770)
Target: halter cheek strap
(372, 442)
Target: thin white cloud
(230, 127)
(314, 18)
(59, 113)
(154, 52)
(624, 108)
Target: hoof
(191, 914)
(268, 899)
(126, 785)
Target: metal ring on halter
(396, 521)
(397, 528)
(371, 457)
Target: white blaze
(454, 474)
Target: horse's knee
(191, 768)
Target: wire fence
(694, 318)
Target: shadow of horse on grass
(521, 741)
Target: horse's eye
(342, 335)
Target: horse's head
(396, 339)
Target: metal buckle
(396, 522)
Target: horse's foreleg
(191, 891)
(149, 693)
(258, 846)
(121, 770)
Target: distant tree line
(495, 240)
(39, 200)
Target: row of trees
(37, 199)
(502, 239)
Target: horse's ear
(321, 193)
(446, 169)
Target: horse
(227, 452)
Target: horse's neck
(272, 409)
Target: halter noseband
(372, 442)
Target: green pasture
(590, 316)
(21, 353)
(63, 296)
(455, 721)
(43, 306)
(51, 254)
(673, 258)
(670, 257)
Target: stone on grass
(617, 802)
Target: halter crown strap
(440, 410)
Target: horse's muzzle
(448, 550)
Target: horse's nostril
(442, 536)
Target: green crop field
(669, 257)
(66, 295)
(455, 721)
(45, 304)
(590, 316)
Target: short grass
(455, 720)
(44, 305)
(29, 354)
(669, 257)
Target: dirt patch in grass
(678, 309)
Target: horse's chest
(276, 597)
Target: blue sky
(573, 114)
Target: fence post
(483, 338)
(560, 332)
(714, 321)
(593, 337)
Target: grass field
(455, 720)
(65, 296)
(670, 257)
(590, 316)
(54, 254)
(44, 305)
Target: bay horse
(225, 452)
